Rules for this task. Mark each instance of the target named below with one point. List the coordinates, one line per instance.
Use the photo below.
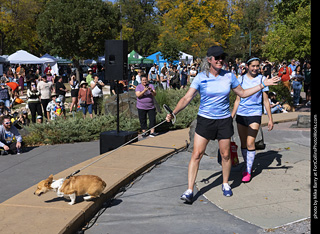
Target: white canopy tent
(52, 61)
(184, 56)
(23, 57)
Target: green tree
(18, 25)
(196, 25)
(77, 29)
(139, 25)
(290, 36)
(256, 18)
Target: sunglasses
(7, 123)
(220, 57)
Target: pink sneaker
(246, 177)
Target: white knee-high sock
(250, 158)
(244, 154)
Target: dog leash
(167, 109)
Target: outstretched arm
(192, 92)
(248, 92)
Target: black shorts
(74, 92)
(247, 120)
(213, 129)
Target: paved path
(20, 174)
(278, 194)
(116, 169)
(153, 205)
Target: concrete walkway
(279, 192)
(26, 212)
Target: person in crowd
(285, 73)
(21, 82)
(85, 99)
(275, 105)
(164, 76)
(153, 77)
(249, 111)
(293, 65)
(214, 120)
(175, 78)
(3, 109)
(184, 77)
(34, 102)
(74, 84)
(114, 88)
(297, 78)
(131, 73)
(39, 119)
(267, 69)
(51, 115)
(89, 77)
(7, 135)
(23, 118)
(59, 108)
(138, 76)
(307, 82)
(133, 83)
(145, 93)
(4, 94)
(45, 88)
(48, 72)
(10, 73)
(61, 89)
(30, 77)
(124, 85)
(193, 73)
(97, 93)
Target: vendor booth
(23, 57)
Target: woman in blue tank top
(249, 111)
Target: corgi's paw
(86, 198)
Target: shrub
(76, 129)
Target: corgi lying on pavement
(74, 186)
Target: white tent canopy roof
(184, 56)
(23, 57)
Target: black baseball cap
(215, 51)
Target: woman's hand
(273, 81)
(169, 117)
(270, 125)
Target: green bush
(76, 129)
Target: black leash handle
(72, 174)
(169, 111)
(167, 108)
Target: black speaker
(111, 140)
(116, 60)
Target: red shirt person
(285, 73)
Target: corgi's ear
(50, 178)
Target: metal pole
(118, 111)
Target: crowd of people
(46, 92)
(294, 76)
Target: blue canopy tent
(158, 59)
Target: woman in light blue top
(214, 118)
(249, 111)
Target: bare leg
(224, 146)
(199, 147)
